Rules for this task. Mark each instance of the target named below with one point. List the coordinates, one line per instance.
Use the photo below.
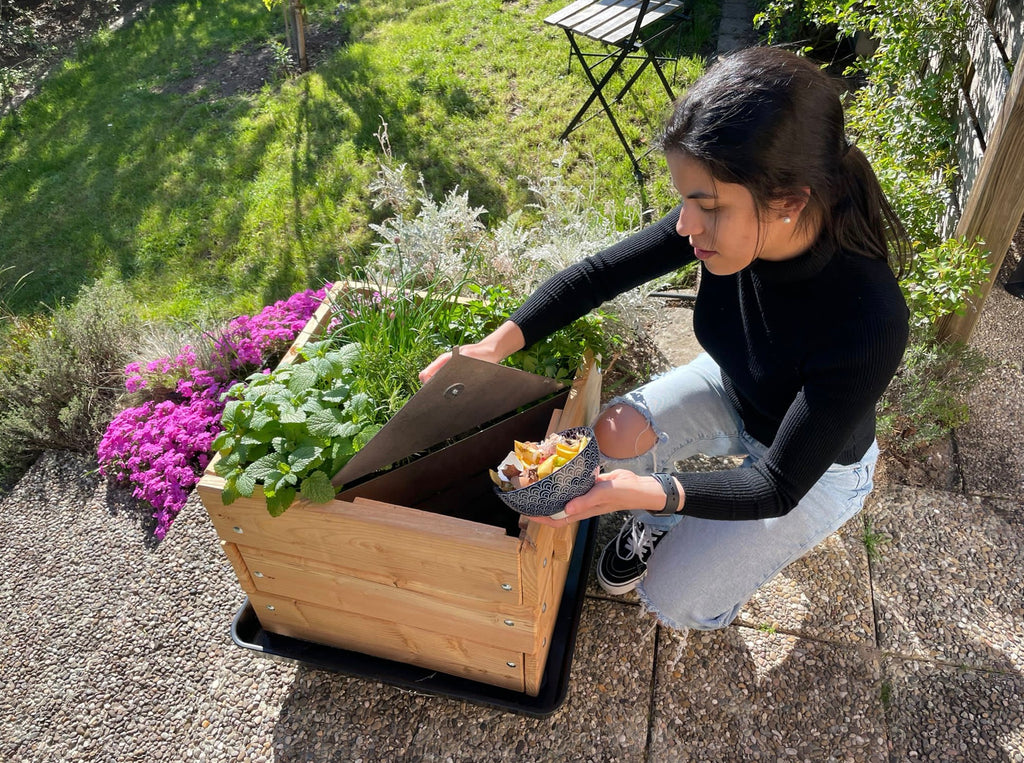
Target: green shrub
(60, 376)
(928, 396)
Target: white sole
(609, 588)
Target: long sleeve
(575, 291)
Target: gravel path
(113, 650)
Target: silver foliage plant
(427, 243)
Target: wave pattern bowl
(547, 497)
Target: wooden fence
(989, 195)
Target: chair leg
(664, 81)
(629, 83)
(597, 86)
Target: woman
(803, 324)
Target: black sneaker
(623, 562)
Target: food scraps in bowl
(529, 462)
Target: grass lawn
(140, 160)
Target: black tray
(247, 632)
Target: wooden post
(299, 12)
(996, 203)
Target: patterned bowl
(547, 497)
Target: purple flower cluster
(161, 447)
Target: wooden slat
(613, 23)
(584, 397)
(563, 16)
(320, 318)
(608, 21)
(398, 641)
(508, 626)
(238, 563)
(380, 542)
(536, 659)
(581, 408)
(535, 557)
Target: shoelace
(641, 539)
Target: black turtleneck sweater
(806, 347)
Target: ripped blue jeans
(703, 571)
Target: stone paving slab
(826, 595)
(744, 694)
(949, 584)
(946, 713)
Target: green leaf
(331, 423)
(359, 406)
(322, 366)
(245, 484)
(279, 501)
(366, 435)
(302, 457)
(345, 357)
(227, 418)
(275, 506)
(304, 377)
(338, 394)
(317, 488)
(292, 415)
(229, 462)
(259, 469)
(229, 494)
(220, 442)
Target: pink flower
(161, 449)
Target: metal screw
(257, 574)
(509, 623)
(506, 587)
(544, 642)
(453, 391)
(510, 664)
(545, 562)
(271, 607)
(544, 607)
(237, 529)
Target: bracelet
(672, 497)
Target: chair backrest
(615, 22)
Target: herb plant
(287, 432)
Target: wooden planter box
(420, 564)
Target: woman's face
(721, 221)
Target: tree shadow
(358, 80)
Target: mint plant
(286, 432)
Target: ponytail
(862, 220)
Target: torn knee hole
(624, 432)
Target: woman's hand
(617, 490)
(494, 348)
(472, 350)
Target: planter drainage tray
(247, 632)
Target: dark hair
(773, 122)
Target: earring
(787, 219)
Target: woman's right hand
(493, 348)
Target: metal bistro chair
(617, 24)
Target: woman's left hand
(617, 490)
